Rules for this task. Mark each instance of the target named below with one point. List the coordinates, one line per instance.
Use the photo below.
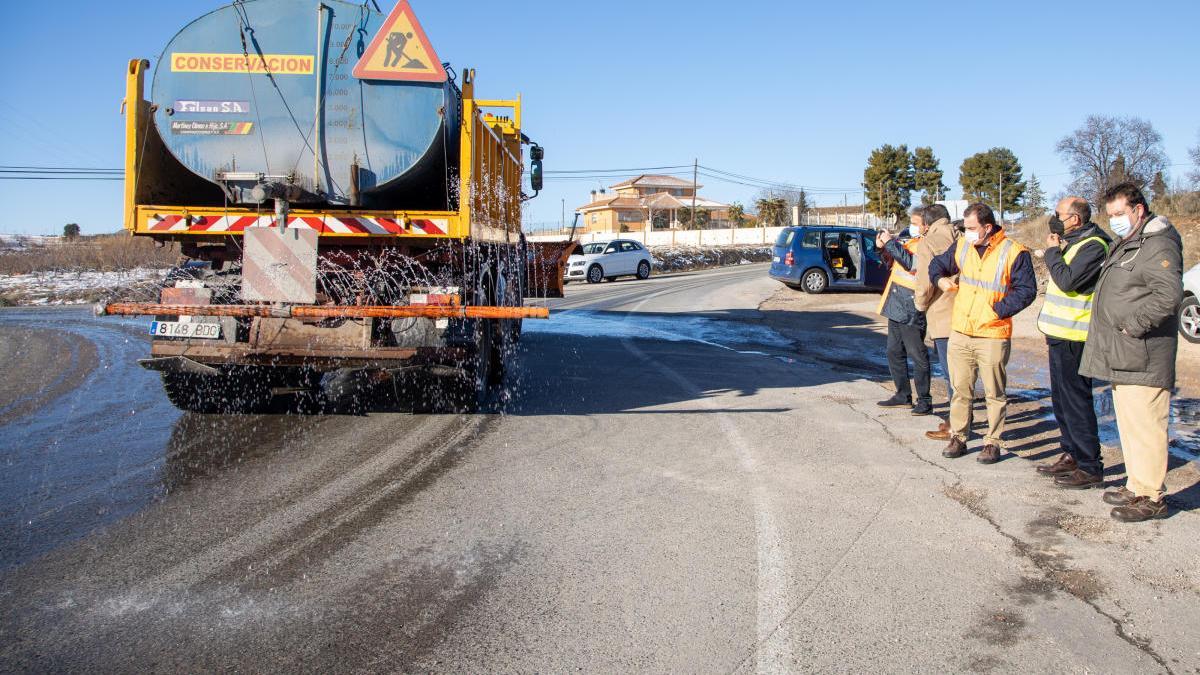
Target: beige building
(647, 198)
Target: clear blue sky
(789, 91)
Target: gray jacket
(1133, 335)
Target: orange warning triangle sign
(400, 51)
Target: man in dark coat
(1133, 341)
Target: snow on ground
(23, 242)
(684, 258)
(60, 288)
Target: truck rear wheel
(242, 392)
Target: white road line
(772, 593)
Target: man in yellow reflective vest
(906, 324)
(1076, 253)
(995, 282)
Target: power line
(632, 171)
(57, 168)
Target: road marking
(773, 635)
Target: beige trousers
(1142, 417)
(972, 358)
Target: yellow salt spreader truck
(341, 201)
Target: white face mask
(914, 230)
(1121, 225)
(972, 236)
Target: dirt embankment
(47, 364)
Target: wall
(744, 236)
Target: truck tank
(297, 114)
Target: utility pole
(695, 172)
(562, 220)
(1001, 209)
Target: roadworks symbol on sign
(400, 51)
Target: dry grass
(104, 253)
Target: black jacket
(898, 305)
(1081, 275)
(1134, 334)
(1022, 284)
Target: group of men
(1109, 315)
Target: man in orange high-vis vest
(995, 282)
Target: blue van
(816, 259)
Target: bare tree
(1105, 143)
(1194, 154)
(791, 198)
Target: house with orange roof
(649, 198)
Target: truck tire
(244, 392)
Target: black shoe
(897, 401)
(923, 408)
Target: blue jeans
(941, 345)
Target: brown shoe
(1078, 480)
(942, 433)
(989, 455)
(1139, 509)
(1119, 497)
(1065, 465)
(956, 449)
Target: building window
(594, 218)
(629, 216)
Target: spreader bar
(325, 311)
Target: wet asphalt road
(670, 486)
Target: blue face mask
(914, 231)
(1121, 225)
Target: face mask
(1057, 226)
(1121, 225)
(972, 236)
(914, 231)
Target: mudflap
(545, 262)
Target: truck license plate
(185, 330)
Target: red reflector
(789, 259)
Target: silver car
(609, 259)
(1189, 309)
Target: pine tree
(927, 175)
(888, 180)
(1035, 198)
(1159, 186)
(985, 176)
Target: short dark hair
(958, 225)
(1127, 190)
(982, 212)
(1080, 207)
(936, 212)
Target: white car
(1189, 309)
(609, 259)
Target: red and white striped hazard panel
(322, 224)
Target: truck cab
(816, 259)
